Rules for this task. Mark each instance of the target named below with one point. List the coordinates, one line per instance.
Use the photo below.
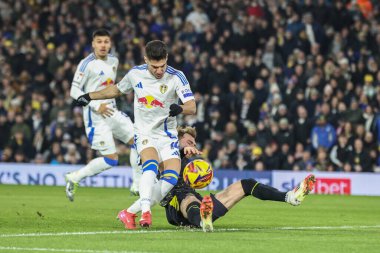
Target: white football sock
(165, 188)
(94, 167)
(136, 170)
(145, 189)
(156, 198)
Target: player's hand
(104, 110)
(175, 109)
(84, 100)
(191, 151)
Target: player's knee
(189, 199)
(187, 202)
(170, 176)
(248, 186)
(111, 160)
(150, 165)
(193, 205)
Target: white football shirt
(153, 98)
(92, 75)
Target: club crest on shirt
(114, 68)
(144, 142)
(163, 88)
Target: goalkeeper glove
(175, 110)
(84, 99)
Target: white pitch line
(186, 230)
(67, 250)
(88, 233)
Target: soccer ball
(198, 174)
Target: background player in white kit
(102, 120)
(157, 88)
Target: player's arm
(184, 92)
(79, 82)
(78, 85)
(113, 91)
(191, 151)
(189, 107)
(109, 92)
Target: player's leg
(160, 189)
(149, 158)
(136, 171)
(198, 213)
(246, 187)
(170, 175)
(122, 129)
(101, 140)
(170, 156)
(95, 166)
(190, 209)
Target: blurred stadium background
(283, 88)
(268, 76)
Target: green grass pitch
(41, 219)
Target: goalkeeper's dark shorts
(173, 212)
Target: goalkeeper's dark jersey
(181, 187)
(173, 199)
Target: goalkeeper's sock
(193, 213)
(94, 167)
(262, 191)
(150, 170)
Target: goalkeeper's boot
(297, 195)
(206, 214)
(71, 187)
(146, 219)
(129, 219)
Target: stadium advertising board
(331, 182)
(37, 174)
(33, 174)
(121, 177)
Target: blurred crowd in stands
(288, 85)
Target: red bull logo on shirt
(107, 82)
(150, 102)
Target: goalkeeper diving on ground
(186, 207)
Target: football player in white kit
(157, 88)
(103, 121)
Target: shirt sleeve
(125, 85)
(183, 89)
(79, 81)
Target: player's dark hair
(100, 32)
(156, 50)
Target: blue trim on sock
(110, 161)
(170, 171)
(170, 176)
(150, 165)
(170, 180)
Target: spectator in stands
(268, 64)
(323, 134)
(341, 152)
(360, 159)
